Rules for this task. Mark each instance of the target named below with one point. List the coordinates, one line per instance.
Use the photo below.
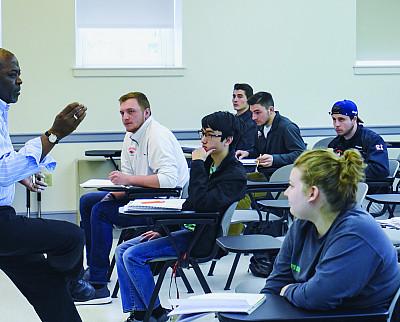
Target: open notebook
(154, 204)
(195, 306)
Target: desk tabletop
(170, 214)
(390, 198)
(276, 185)
(103, 153)
(277, 308)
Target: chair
(385, 186)
(192, 261)
(323, 143)
(126, 232)
(250, 215)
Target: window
(128, 33)
(378, 48)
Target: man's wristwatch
(52, 137)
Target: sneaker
(100, 296)
(131, 318)
(81, 290)
(86, 274)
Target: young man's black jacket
(372, 148)
(214, 193)
(248, 132)
(283, 142)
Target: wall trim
(187, 135)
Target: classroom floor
(14, 307)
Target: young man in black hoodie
(217, 179)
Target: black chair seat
(249, 243)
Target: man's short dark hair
(244, 87)
(263, 98)
(225, 122)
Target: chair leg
(115, 291)
(212, 266)
(200, 277)
(156, 290)
(232, 272)
(185, 280)
(112, 265)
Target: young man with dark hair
(352, 135)
(278, 140)
(248, 128)
(217, 179)
(151, 157)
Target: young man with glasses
(151, 157)
(352, 135)
(217, 179)
(278, 140)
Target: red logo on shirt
(131, 150)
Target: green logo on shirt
(295, 268)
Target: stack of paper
(98, 183)
(154, 204)
(195, 306)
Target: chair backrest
(281, 174)
(227, 217)
(362, 189)
(393, 168)
(185, 191)
(393, 305)
(225, 223)
(323, 143)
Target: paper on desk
(99, 183)
(390, 223)
(248, 161)
(217, 302)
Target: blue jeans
(98, 218)
(135, 277)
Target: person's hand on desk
(149, 235)
(240, 154)
(34, 183)
(117, 177)
(201, 154)
(265, 160)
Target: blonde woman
(335, 254)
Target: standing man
(40, 256)
(248, 128)
(352, 135)
(278, 139)
(151, 157)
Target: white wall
(301, 51)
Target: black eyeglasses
(208, 135)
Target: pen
(151, 202)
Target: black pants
(41, 257)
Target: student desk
(166, 218)
(108, 154)
(276, 308)
(390, 199)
